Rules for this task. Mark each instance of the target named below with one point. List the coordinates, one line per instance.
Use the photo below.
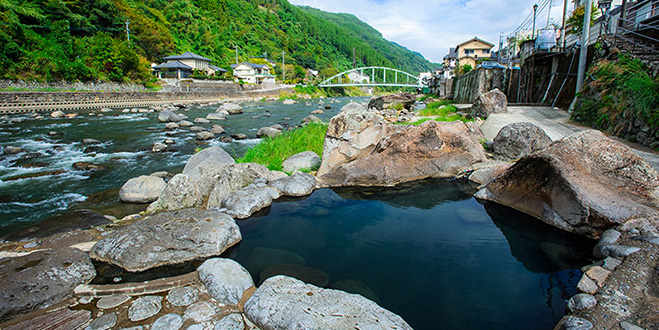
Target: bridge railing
(373, 76)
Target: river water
(427, 251)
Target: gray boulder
(485, 174)
(203, 136)
(308, 160)
(183, 296)
(581, 301)
(201, 121)
(91, 141)
(144, 307)
(310, 119)
(41, 279)
(267, 132)
(216, 116)
(236, 177)
(286, 303)
(57, 114)
(197, 129)
(289, 102)
(388, 101)
(205, 167)
(491, 102)
(185, 123)
(225, 279)
(217, 129)
(168, 238)
(519, 139)
(169, 116)
(232, 109)
(10, 150)
(158, 147)
(244, 202)
(143, 189)
(298, 184)
(181, 192)
(172, 126)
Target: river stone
(144, 307)
(519, 139)
(171, 126)
(286, 303)
(614, 250)
(201, 121)
(235, 177)
(200, 312)
(230, 322)
(317, 112)
(196, 129)
(185, 123)
(159, 147)
(574, 323)
(169, 116)
(225, 279)
(217, 129)
(10, 150)
(586, 285)
(239, 136)
(486, 174)
(168, 238)
(609, 236)
(244, 202)
(181, 192)
(298, 184)
(104, 322)
(41, 279)
(112, 301)
(203, 162)
(183, 296)
(260, 258)
(289, 102)
(143, 189)
(232, 109)
(202, 136)
(301, 272)
(628, 326)
(581, 301)
(488, 103)
(310, 119)
(387, 101)
(168, 322)
(307, 160)
(269, 132)
(216, 116)
(584, 183)
(57, 114)
(91, 141)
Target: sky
(430, 27)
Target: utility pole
(623, 13)
(563, 24)
(583, 53)
(236, 54)
(549, 14)
(265, 56)
(283, 67)
(128, 32)
(354, 58)
(535, 8)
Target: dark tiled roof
(476, 39)
(187, 56)
(173, 65)
(217, 68)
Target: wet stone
(230, 322)
(112, 301)
(104, 322)
(145, 307)
(576, 323)
(200, 312)
(598, 274)
(168, 322)
(587, 285)
(628, 326)
(183, 296)
(581, 301)
(611, 263)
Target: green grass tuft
(271, 152)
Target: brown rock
(598, 275)
(585, 183)
(493, 101)
(387, 101)
(586, 285)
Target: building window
(486, 51)
(469, 51)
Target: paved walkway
(556, 124)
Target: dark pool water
(427, 251)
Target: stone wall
(467, 87)
(99, 86)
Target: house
(470, 51)
(253, 73)
(181, 66)
(450, 59)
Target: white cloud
(431, 27)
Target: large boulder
(204, 167)
(518, 139)
(388, 101)
(307, 160)
(181, 192)
(584, 183)
(361, 149)
(491, 102)
(168, 238)
(298, 184)
(231, 108)
(143, 189)
(236, 177)
(269, 132)
(169, 116)
(41, 279)
(244, 202)
(285, 303)
(216, 116)
(225, 279)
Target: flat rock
(185, 123)
(230, 108)
(169, 321)
(307, 160)
(144, 307)
(216, 116)
(230, 322)
(196, 129)
(486, 174)
(181, 192)
(200, 312)
(584, 183)
(104, 322)
(41, 279)
(587, 285)
(201, 121)
(244, 202)
(298, 184)
(183, 296)
(112, 301)
(60, 319)
(574, 323)
(64, 223)
(168, 238)
(143, 189)
(581, 301)
(225, 279)
(233, 178)
(203, 136)
(286, 303)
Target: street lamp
(604, 6)
(535, 8)
(283, 67)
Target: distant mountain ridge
(87, 40)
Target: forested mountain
(86, 39)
